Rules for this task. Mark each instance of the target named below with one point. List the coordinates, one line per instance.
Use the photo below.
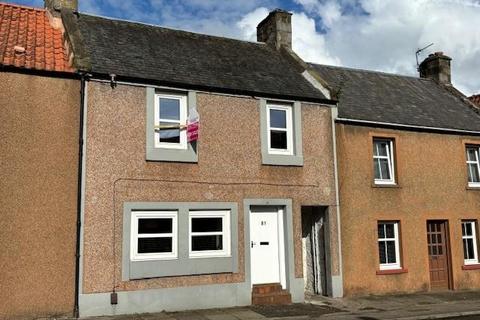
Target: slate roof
(173, 57)
(390, 98)
(27, 40)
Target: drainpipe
(337, 286)
(79, 196)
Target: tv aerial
(417, 53)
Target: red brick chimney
(437, 67)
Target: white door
(266, 256)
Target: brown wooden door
(438, 254)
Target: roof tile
(390, 98)
(29, 28)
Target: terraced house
(408, 151)
(168, 218)
(39, 103)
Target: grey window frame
(296, 158)
(183, 264)
(154, 153)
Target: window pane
(471, 154)
(468, 229)
(157, 225)
(465, 250)
(473, 174)
(381, 251)
(391, 255)
(376, 166)
(169, 135)
(380, 148)
(278, 139)
(470, 252)
(381, 230)
(385, 170)
(390, 230)
(206, 224)
(203, 243)
(169, 109)
(154, 245)
(463, 228)
(278, 118)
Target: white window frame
(396, 265)
(390, 159)
(473, 236)
(289, 128)
(182, 98)
(225, 215)
(136, 215)
(474, 184)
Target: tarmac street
(416, 306)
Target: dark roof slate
(142, 51)
(390, 98)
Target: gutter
(407, 126)
(79, 195)
(174, 85)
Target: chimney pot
(276, 29)
(437, 67)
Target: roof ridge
(7, 4)
(369, 71)
(171, 28)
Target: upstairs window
(473, 166)
(469, 237)
(280, 129)
(388, 245)
(383, 161)
(154, 235)
(170, 121)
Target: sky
(378, 35)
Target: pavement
(420, 306)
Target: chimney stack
(276, 29)
(54, 7)
(437, 67)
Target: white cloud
(248, 24)
(307, 43)
(387, 36)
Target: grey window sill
(173, 155)
(282, 160)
